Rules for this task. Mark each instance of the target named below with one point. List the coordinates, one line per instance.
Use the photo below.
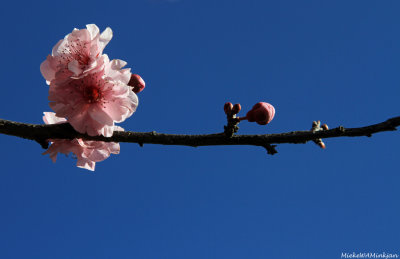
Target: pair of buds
(262, 112)
(232, 110)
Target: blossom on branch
(87, 152)
(93, 103)
(86, 88)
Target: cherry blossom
(86, 88)
(94, 102)
(87, 152)
(77, 54)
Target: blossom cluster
(89, 91)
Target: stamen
(92, 94)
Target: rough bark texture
(41, 133)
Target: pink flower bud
(236, 108)
(262, 113)
(321, 145)
(137, 83)
(228, 108)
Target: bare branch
(41, 133)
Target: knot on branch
(271, 149)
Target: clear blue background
(334, 61)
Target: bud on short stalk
(137, 83)
(262, 113)
(236, 108)
(228, 108)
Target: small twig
(41, 133)
(233, 121)
(232, 126)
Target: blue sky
(334, 61)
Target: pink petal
(74, 67)
(51, 118)
(99, 155)
(47, 70)
(105, 37)
(86, 164)
(56, 47)
(93, 30)
(114, 147)
(96, 112)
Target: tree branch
(41, 133)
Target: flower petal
(93, 30)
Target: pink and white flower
(92, 103)
(77, 54)
(87, 152)
(86, 88)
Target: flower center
(91, 94)
(76, 50)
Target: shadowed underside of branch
(41, 133)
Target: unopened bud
(321, 144)
(236, 108)
(137, 83)
(228, 108)
(262, 113)
(324, 127)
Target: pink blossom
(87, 152)
(95, 101)
(77, 54)
(262, 113)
